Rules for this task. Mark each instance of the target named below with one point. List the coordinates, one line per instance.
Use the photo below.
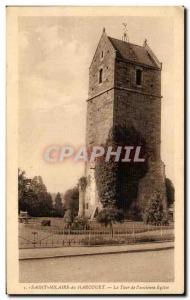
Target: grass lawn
(35, 235)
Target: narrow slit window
(139, 77)
(100, 75)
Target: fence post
(126, 233)
(63, 236)
(112, 231)
(69, 236)
(161, 232)
(34, 242)
(134, 232)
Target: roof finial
(125, 37)
(145, 43)
(104, 29)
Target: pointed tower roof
(135, 53)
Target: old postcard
(95, 163)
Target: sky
(54, 58)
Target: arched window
(100, 75)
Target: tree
(37, 185)
(155, 213)
(21, 184)
(33, 196)
(68, 218)
(45, 205)
(170, 191)
(71, 200)
(23, 188)
(26, 196)
(58, 207)
(28, 203)
(42, 204)
(110, 215)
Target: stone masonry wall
(119, 101)
(125, 76)
(99, 122)
(136, 106)
(140, 108)
(106, 63)
(99, 118)
(141, 112)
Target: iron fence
(33, 235)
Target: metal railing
(33, 235)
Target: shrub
(68, 218)
(80, 223)
(170, 191)
(46, 223)
(155, 213)
(109, 216)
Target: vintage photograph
(95, 150)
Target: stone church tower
(124, 89)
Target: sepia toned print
(95, 183)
